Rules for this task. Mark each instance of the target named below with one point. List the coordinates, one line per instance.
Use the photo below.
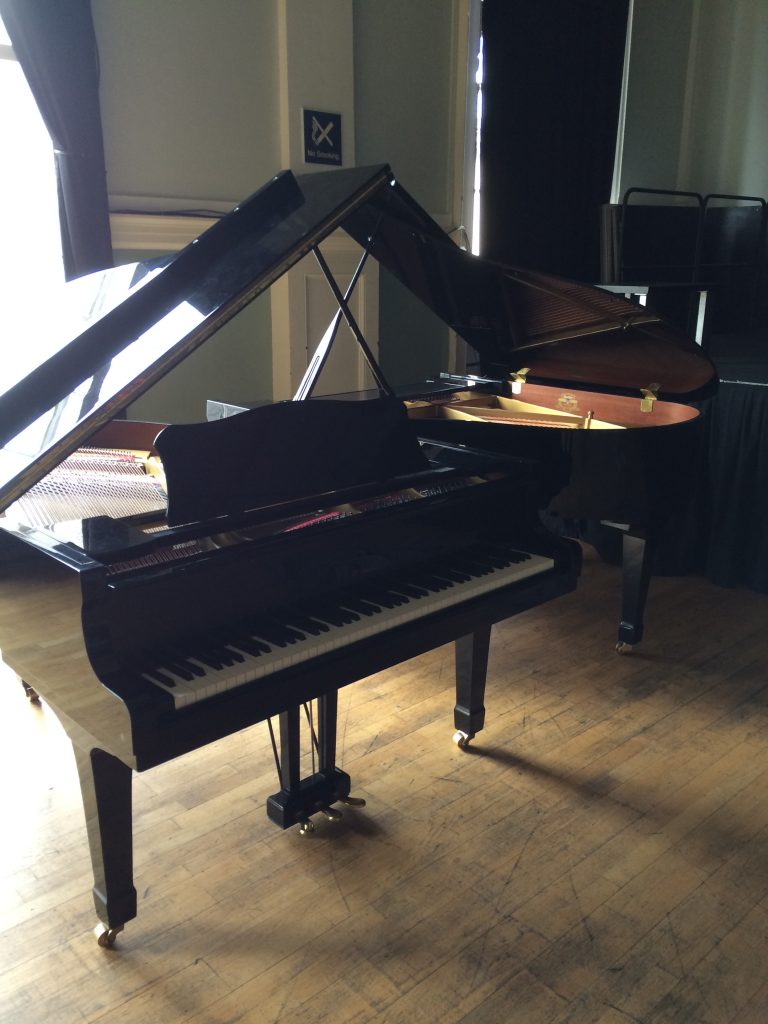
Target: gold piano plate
(513, 411)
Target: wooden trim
(146, 232)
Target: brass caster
(353, 801)
(332, 814)
(622, 647)
(30, 693)
(306, 826)
(461, 739)
(105, 936)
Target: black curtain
(55, 43)
(551, 88)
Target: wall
(697, 96)
(407, 88)
(403, 79)
(190, 96)
(727, 149)
(187, 97)
(656, 90)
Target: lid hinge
(518, 378)
(650, 394)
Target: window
(30, 240)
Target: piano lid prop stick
(378, 376)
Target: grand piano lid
(116, 333)
(85, 355)
(562, 331)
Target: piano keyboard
(264, 645)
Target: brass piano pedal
(352, 801)
(461, 739)
(622, 647)
(331, 813)
(105, 936)
(306, 827)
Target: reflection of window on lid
(30, 239)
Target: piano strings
(94, 482)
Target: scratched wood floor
(600, 858)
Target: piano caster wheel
(332, 814)
(622, 647)
(461, 739)
(305, 827)
(30, 693)
(353, 801)
(105, 936)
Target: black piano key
(396, 598)
(406, 588)
(177, 662)
(502, 556)
(268, 628)
(191, 666)
(359, 605)
(430, 582)
(209, 656)
(472, 566)
(243, 641)
(221, 649)
(307, 625)
(329, 611)
(453, 574)
(148, 671)
(177, 670)
(279, 623)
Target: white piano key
(215, 681)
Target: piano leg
(637, 558)
(105, 783)
(471, 670)
(299, 798)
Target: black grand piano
(164, 586)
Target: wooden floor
(601, 857)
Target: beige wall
(727, 147)
(187, 97)
(697, 97)
(191, 103)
